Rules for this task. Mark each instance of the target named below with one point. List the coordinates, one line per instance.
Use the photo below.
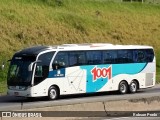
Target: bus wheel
(53, 93)
(123, 87)
(133, 87)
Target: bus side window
(77, 58)
(109, 56)
(82, 59)
(139, 56)
(73, 60)
(121, 56)
(125, 56)
(94, 57)
(60, 61)
(149, 55)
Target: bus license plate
(16, 93)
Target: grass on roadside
(3, 87)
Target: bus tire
(123, 87)
(133, 87)
(53, 93)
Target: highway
(18, 103)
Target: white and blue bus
(80, 68)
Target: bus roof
(86, 46)
(35, 50)
(97, 46)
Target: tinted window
(143, 55)
(61, 60)
(109, 56)
(18, 73)
(42, 68)
(149, 55)
(128, 56)
(77, 58)
(139, 56)
(124, 56)
(46, 58)
(94, 57)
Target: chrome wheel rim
(52, 94)
(133, 87)
(123, 88)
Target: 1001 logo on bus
(101, 73)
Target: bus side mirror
(30, 67)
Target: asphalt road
(18, 103)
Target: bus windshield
(18, 73)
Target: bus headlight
(12, 87)
(17, 87)
(22, 88)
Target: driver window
(42, 68)
(38, 72)
(60, 61)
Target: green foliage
(26, 23)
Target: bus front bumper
(20, 93)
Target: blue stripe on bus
(93, 86)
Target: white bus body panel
(76, 80)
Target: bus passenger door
(41, 74)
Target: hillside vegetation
(25, 23)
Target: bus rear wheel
(53, 93)
(123, 87)
(133, 87)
